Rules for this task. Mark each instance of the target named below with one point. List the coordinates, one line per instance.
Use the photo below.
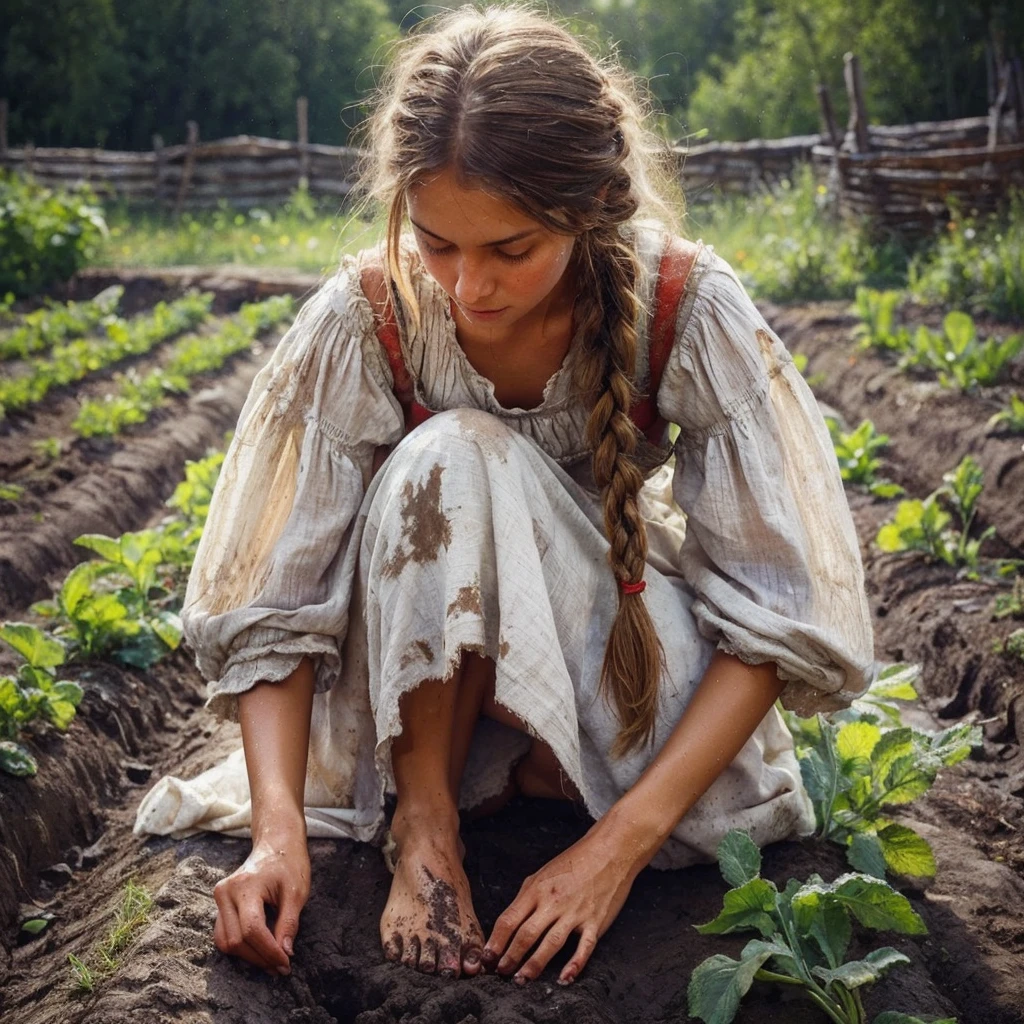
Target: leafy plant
(1011, 418)
(48, 448)
(34, 693)
(45, 236)
(11, 492)
(137, 397)
(55, 322)
(977, 264)
(77, 359)
(1011, 605)
(878, 327)
(82, 973)
(925, 526)
(1014, 644)
(858, 464)
(116, 606)
(805, 936)
(857, 769)
(957, 354)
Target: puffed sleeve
(770, 548)
(273, 573)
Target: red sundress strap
(677, 262)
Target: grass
(131, 913)
(300, 234)
(786, 246)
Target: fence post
(158, 160)
(828, 121)
(186, 170)
(302, 116)
(858, 123)
(3, 128)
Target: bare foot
(429, 922)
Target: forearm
(275, 721)
(730, 702)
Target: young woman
(535, 591)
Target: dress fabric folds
(483, 531)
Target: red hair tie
(633, 588)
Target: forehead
(463, 212)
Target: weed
(131, 913)
(1010, 419)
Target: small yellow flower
(284, 240)
(822, 190)
(255, 239)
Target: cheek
(544, 275)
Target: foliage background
(113, 72)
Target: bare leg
(429, 922)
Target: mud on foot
(429, 922)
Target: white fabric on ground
(482, 531)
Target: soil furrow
(930, 427)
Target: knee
(462, 431)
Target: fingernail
(288, 946)
(567, 980)
(520, 979)
(473, 958)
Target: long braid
(607, 313)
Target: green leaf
(38, 649)
(106, 547)
(906, 852)
(35, 925)
(906, 780)
(719, 983)
(862, 972)
(827, 923)
(877, 905)
(16, 760)
(854, 744)
(748, 906)
(739, 858)
(865, 854)
(168, 627)
(896, 682)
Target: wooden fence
(900, 174)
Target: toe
(428, 956)
(411, 951)
(393, 948)
(448, 962)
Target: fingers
(287, 925)
(552, 942)
(588, 940)
(507, 925)
(241, 929)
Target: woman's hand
(582, 890)
(275, 872)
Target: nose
(474, 281)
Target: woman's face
(502, 269)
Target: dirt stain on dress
(418, 650)
(425, 530)
(467, 601)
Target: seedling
(878, 328)
(925, 526)
(1011, 418)
(34, 693)
(805, 935)
(858, 465)
(131, 914)
(1011, 606)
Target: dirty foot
(429, 922)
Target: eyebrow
(500, 241)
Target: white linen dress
(483, 531)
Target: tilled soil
(75, 819)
